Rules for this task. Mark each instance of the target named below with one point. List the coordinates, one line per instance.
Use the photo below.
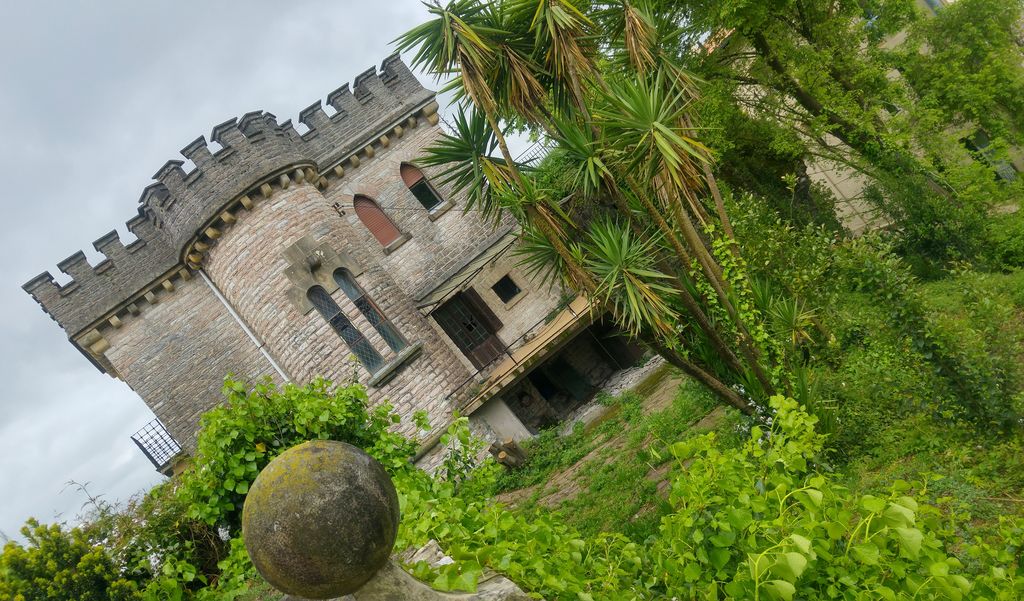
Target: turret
(178, 210)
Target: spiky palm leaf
(643, 117)
(628, 281)
(562, 36)
(470, 167)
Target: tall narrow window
(360, 346)
(420, 187)
(375, 220)
(369, 310)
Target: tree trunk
(716, 386)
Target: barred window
(375, 220)
(357, 343)
(420, 187)
(369, 310)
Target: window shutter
(375, 220)
(411, 174)
(473, 298)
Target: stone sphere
(320, 519)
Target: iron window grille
(395, 341)
(157, 444)
(357, 343)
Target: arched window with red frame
(420, 187)
(375, 220)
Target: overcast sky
(95, 97)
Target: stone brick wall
(521, 317)
(248, 264)
(176, 354)
(523, 313)
(439, 244)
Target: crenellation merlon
(172, 176)
(76, 266)
(198, 152)
(314, 116)
(372, 106)
(342, 101)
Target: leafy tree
(822, 69)
(966, 62)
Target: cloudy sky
(94, 97)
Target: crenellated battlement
(251, 149)
(375, 103)
(179, 206)
(93, 290)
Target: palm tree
(650, 258)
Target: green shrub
(239, 438)
(757, 522)
(1006, 240)
(979, 377)
(59, 564)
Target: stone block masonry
(177, 356)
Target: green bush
(239, 438)
(757, 522)
(963, 352)
(1006, 241)
(59, 564)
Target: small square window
(506, 289)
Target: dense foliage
(760, 521)
(59, 564)
(181, 539)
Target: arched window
(359, 345)
(375, 220)
(420, 187)
(369, 310)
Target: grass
(617, 478)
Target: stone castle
(297, 255)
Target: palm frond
(628, 281)
(467, 157)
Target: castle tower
(221, 278)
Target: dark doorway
(472, 326)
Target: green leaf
(814, 497)
(939, 569)
(801, 542)
(866, 553)
(719, 557)
(780, 589)
(757, 564)
(242, 488)
(910, 541)
(723, 539)
(898, 516)
(872, 503)
(789, 566)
